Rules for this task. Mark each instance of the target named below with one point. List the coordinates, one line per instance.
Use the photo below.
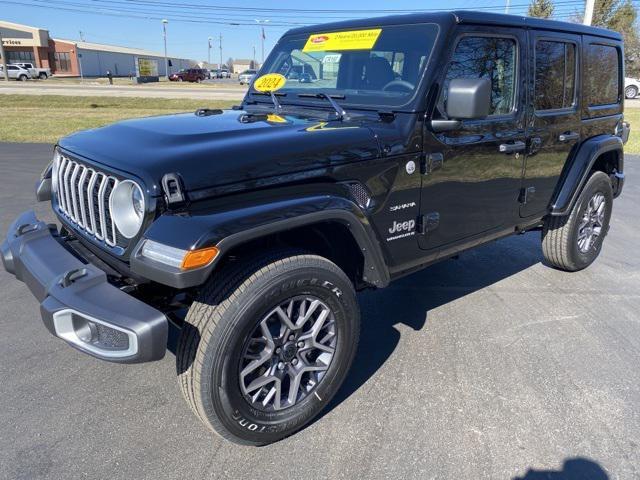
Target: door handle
(512, 147)
(567, 137)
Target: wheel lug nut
(294, 361)
(300, 344)
(278, 350)
(292, 337)
(280, 366)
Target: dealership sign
(12, 42)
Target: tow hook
(26, 228)
(72, 275)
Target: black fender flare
(227, 229)
(574, 178)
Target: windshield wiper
(340, 112)
(274, 99)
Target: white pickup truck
(41, 73)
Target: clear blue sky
(191, 22)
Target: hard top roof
(462, 17)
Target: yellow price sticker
(337, 41)
(269, 82)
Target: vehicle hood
(224, 148)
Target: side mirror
(467, 98)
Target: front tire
(631, 92)
(23, 78)
(572, 242)
(267, 344)
(42, 76)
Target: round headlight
(127, 208)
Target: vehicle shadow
(409, 300)
(572, 469)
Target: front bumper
(77, 302)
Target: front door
(554, 121)
(473, 174)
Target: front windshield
(372, 67)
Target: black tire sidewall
(222, 358)
(598, 182)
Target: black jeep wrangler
(238, 239)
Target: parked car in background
(189, 75)
(36, 72)
(222, 73)
(631, 87)
(16, 73)
(247, 76)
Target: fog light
(93, 335)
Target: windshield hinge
(173, 190)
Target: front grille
(83, 199)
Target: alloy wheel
(590, 227)
(288, 353)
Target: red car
(189, 75)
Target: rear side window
(555, 82)
(602, 78)
(490, 57)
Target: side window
(490, 57)
(602, 77)
(555, 81)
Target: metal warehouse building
(23, 43)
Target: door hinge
(526, 194)
(427, 223)
(430, 162)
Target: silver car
(16, 73)
(247, 76)
(631, 87)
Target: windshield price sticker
(336, 41)
(269, 82)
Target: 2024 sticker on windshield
(269, 82)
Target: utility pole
(588, 12)
(254, 58)
(209, 53)
(81, 36)
(220, 43)
(4, 60)
(164, 36)
(507, 6)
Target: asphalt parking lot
(490, 366)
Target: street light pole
(4, 60)
(164, 36)
(262, 36)
(220, 40)
(209, 53)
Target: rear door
(554, 116)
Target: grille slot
(83, 198)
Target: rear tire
(572, 242)
(235, 338)
(42, 76)
(631, 92)
(23, 78)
